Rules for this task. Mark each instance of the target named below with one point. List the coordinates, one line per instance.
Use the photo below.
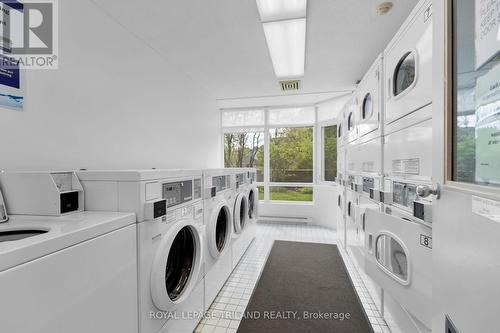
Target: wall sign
(11, 75)
(487, 32)
(488, 127)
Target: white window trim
(321, 163)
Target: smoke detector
(384, 8)
(290, 85)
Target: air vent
(290, 85)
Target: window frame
(321, 153)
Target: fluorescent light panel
(286, 41)
(273, 10)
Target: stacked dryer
(352, 171)
(219, 193)
(170, 240)
(398, 240)
(365, 159)
(341, 228)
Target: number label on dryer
(426, 241)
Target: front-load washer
(351, 219)
(240, 215)
(341, 214)
(73, 273)
(399, 260)
(253, 197)
(170, 237)
(171, 282)
(218, 205)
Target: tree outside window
(245, 150)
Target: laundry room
(249, 166)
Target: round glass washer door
(219, 230)
(253, 197)
(240, 213)
(404, 73)
(176, 266)
(367, 111)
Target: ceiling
(221, 45)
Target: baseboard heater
(285, 219)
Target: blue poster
(11, 85)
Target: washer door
(253, 199)
(219, 230)
(177, 265)
(240, 212)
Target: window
(476, 99)
(404, 74)
(329, 153)
(245, 150)
(291, 155)
(279, 143)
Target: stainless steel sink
(14, 235)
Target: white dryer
(170, 240)
(240, 215)
(408, 65)
(218, 219)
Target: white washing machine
(240, 215)
(351, 220)
(408, 65)
(341, 214)
(76, 273)
(170, 240)
(218, 204)
(351, 119)
(399, 259)
(253, 201)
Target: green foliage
(291, 152)
(292, 194)
(465, 168)
(330, 152)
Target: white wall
(114, 103)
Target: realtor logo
(28, 33)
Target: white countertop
(63, 232)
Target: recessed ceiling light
(384, 8)
(274, 10)
(286, 41)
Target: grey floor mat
(299, 281)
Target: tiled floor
(225, 313)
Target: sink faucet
(3, 210)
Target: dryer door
(240, 212)
(399, 259)
(176, 266)
(253, 203)
(219, 230)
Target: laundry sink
(14, 235)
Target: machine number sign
(426, 241)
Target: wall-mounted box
(42, 193)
